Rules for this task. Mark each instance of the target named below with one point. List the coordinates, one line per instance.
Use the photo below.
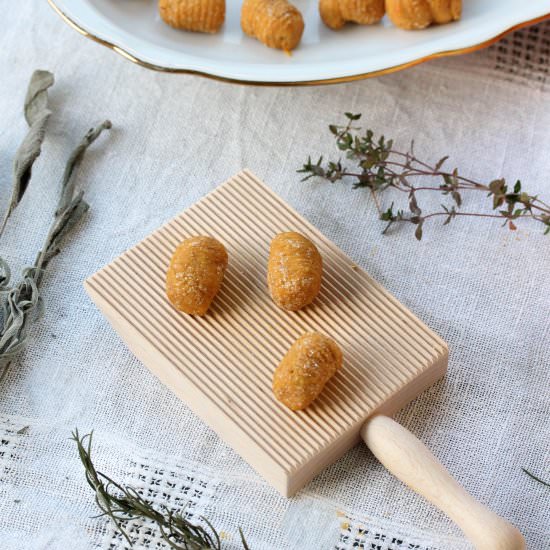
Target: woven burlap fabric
(484, 289)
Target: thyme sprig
(21, 303)
(380, 166)
(122, 503)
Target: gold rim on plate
(338, 80)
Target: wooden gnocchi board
(221, 365)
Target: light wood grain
(409, 460)
(222, 364)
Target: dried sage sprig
(122, 503)
(381, 167)
(37, 114)
(22, 303)
(71, 206)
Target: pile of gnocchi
(279, 24)
(294, 272)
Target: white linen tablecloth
(484, 289)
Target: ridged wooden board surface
(222, 364)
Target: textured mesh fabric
(485, 290)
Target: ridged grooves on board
(231, 353)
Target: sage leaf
(22, 304)
(36, 100)
(15, 313)
(71, 205)
(67, 184)
(37, 114)
(64, 222)
(5, 275)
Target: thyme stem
(382, 167)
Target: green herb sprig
(380, 167)
(122, 503)
(22, 303)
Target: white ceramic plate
(134, 29)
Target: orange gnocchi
(294, 271)
(193, 15)
(418, 14)
(335, 13)
(195, 274)
(276, 23)
(308, 365)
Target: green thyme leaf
(352, 116)
(457, 198)
(440, 163)
(413, 205)
(418, 231)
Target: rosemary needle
(535, 477)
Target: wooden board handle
(410, 461)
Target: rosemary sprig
(122, 503)
(380, 167)
(533, 476)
